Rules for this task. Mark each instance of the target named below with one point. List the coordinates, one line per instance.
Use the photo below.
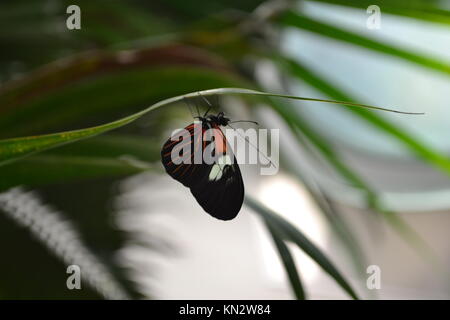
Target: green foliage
(63, 92)
(286, 231)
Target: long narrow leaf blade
(99, 157)
(300, 126)
(288, 263)
(296, 69)
(302, 22)
(426, 10)
(48, 169)
(333, 158)
(336, 220)
(293, 234)
(12, 149)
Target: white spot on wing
(217, 169)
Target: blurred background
(356, 188)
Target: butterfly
(216, 184)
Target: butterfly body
(217, 184)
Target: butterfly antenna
(217, 100)
(257, 149)
(254, 122)
(198, 111)
(207, 102)
(189, 106)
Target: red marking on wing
(219, 140)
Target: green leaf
(299, 126)
(295, 121)
(106, 97)
(48, 169)
(113, 146)
(292, 19)
(411, 143)
(291, 233)
(99, 157)
(339, 224)
(288, 263)
(13, 149)
(99, 85)
(427, 10)
(336, 220)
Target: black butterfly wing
(221, 198)
(217, 187)
(186, 173)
